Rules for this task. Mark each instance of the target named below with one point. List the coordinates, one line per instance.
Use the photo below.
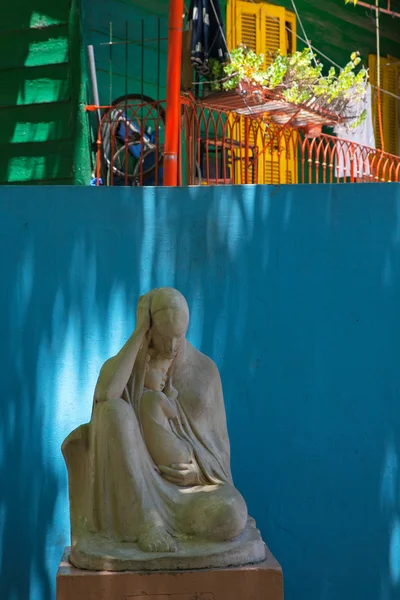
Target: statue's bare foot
(156, 539)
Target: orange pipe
(173, 106)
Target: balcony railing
(220, 147)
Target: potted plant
(293, 89)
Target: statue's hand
(143, 315)
(181, 474)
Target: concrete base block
(262, 581)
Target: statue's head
(169, 321)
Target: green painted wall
(334, 28)
(337, 29)
(44, 131)
(97, 15)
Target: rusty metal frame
(317, 159)
(386, 11)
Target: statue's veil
(170, 298)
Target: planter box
(252, 101)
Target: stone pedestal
(262, 581)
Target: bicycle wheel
(130, 129)
(135, 98)
(123, 174)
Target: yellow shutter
(260, 26)
(391, 110)
(230, 27)
(272, 35)
(390, 72)
(248, 25)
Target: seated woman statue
(155, 469)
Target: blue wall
(294, 291)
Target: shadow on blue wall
(295, 293)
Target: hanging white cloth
(354, 160)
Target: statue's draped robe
(126, 490)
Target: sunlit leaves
(298, 78)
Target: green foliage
(358, 120)
(298, 77)
(216, 73)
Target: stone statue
(149, 477)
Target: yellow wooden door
(391, 77)
(279, 164)
(389, 107)
(374, 97)
(265, 29)
(243, 27)
(389, 81)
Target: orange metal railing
(219, 147)
(130, 144)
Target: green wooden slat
(69, 181)
(44, 6)
(16, 16)
(34, 85)
(80, 120)
(44, 137)
(39, 161)
(34, 47)
(38, 122)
